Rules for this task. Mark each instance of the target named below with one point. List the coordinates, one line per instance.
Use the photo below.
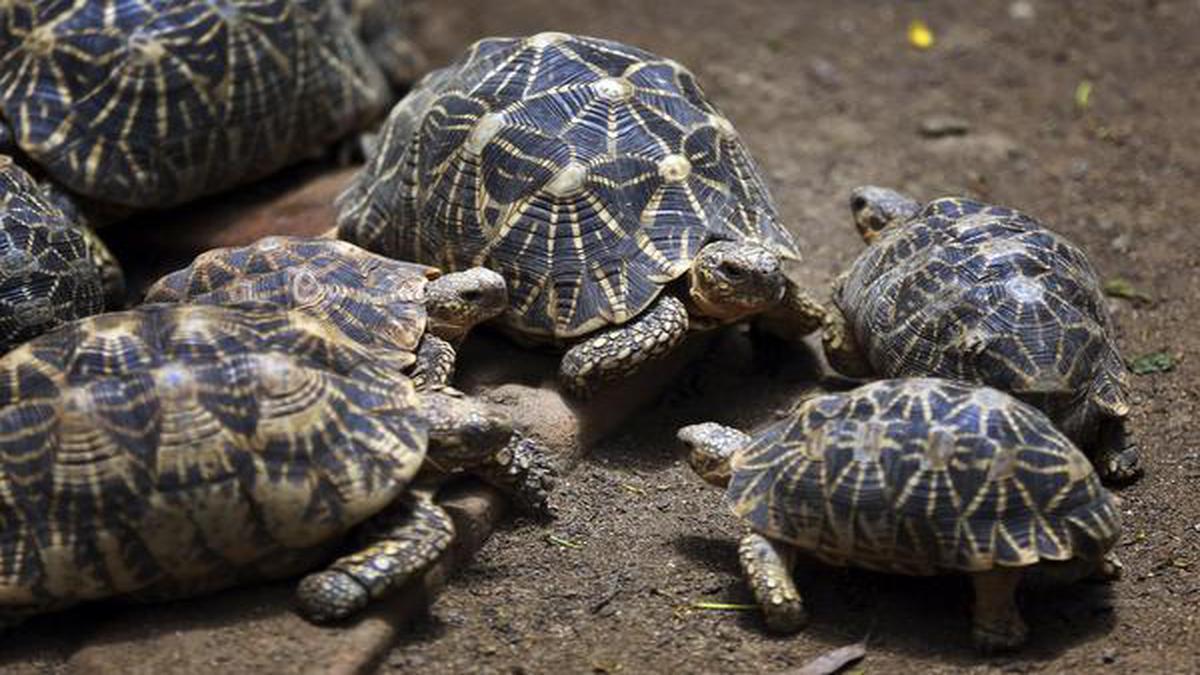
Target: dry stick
(476, 508)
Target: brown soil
(828, 95)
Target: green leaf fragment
(1119, 287)
(1158, 362)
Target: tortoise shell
(986, 294)
(372, 300)
(923, 475)
(47, 274)
(153, 103)
(174, 449)
(586, 172)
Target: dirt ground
(829, 95)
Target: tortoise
(404, 311)
(48, 273)
(915, 476)
(171, 450)
(617, 202)
(146, 105)
(962, 289)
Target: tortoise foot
(1120, 466)
(1001, 636)
(331, 595)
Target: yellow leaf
(920, 35)
(1083, 94)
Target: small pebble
(1120, 243)
(938, 126)
(824, 72)
(1022, 10)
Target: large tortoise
(48, 273)
(962, 289)
(409, 313)
(617, 202)
(171, 450)
(913, 476)
(148, 104)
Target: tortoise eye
(731, 270)
(858, 203)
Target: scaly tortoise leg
(435, 362)
(1115, 455)
(523, 470)
(842, 350)
(767, 567)
(620, 351)
(997, 624)
(796, 315)
(402, 541)
(112, 278)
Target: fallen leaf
(1119, 287)
(1148, 364)
(1083, 94)
(832, 662)
(920, 35)
(724, 606)
(565, 543)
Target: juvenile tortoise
(48, 274)
(148, 104)
(966, 290)
(617, 202)
(403, 311)
(172, 450)
(913, 476)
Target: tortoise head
(730, 280)
(463, 431)
(711, 448)
(458, 301)
(875, 208)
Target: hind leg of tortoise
(402, 541)
(435, 362)
(1116, 457)
(619, 352)
(523, 470)
(997, 624)
(767, 567)
(842, 350)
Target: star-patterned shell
(377, 302)
(47, 275)
(173, 449)
(986, 294)
(148, 104)
(923, 475)
(586, 172)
